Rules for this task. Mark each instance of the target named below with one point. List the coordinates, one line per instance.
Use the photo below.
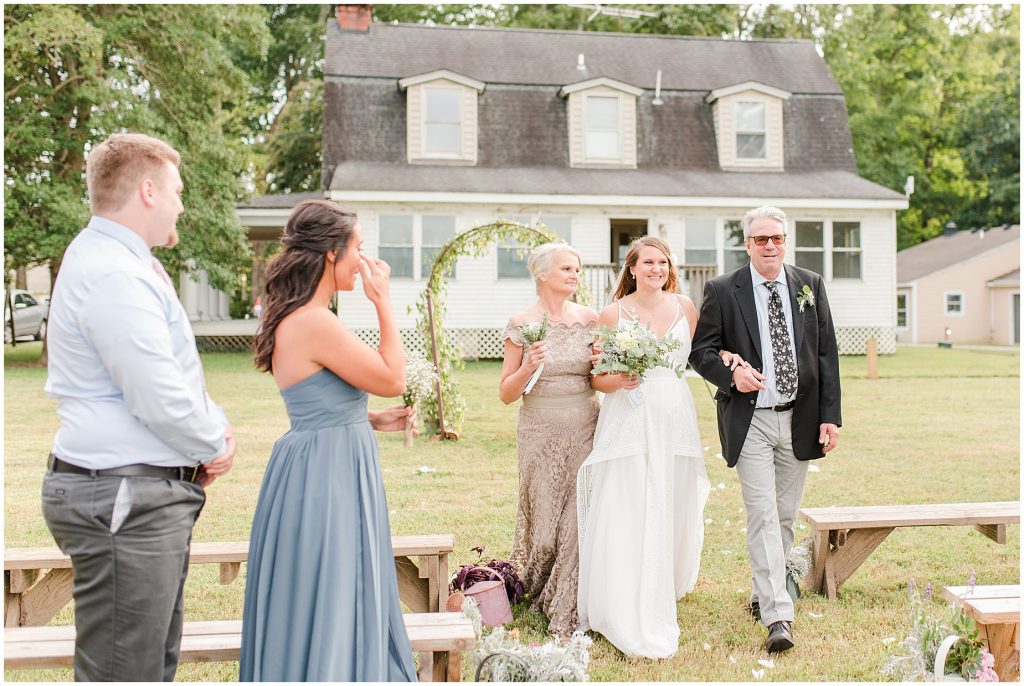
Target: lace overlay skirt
(552, 444)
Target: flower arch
(444, 414)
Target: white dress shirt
(770, 395)
(122, 360)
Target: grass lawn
(939, 426)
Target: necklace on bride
(550, 316)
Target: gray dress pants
(128, 539)
(772, 481)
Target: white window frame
(728, 248)
(826, 228)
(418, 259)
(906, 311)
(945, 303)
(859, 250)
(417, 243)
(527, 221)
(619, 132)
(411, 245)
(712, 247)
(763, 131)
(457, 91)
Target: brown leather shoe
(780, 637)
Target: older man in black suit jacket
(778, 410)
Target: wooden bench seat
(996, 611)
(440, 638)
(843, 537)
(37, 581)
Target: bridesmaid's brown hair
(314, 228)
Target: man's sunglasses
(777, 239)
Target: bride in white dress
(641, 492)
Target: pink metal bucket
(491, 599)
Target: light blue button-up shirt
(122, 360)
(770, 395)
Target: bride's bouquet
(633, 350)
(532, 333)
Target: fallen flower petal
(707, 646)
(757, 673)
(770, 664)
(815, 615)
(813, 468)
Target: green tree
(74, 74)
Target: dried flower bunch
(420, 380)
(500, 656)
(968, 657)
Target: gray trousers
(772, 481)
(128, 539)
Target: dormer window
(750, 130)
(602, 129)
(442, 121)
(441, 117)
(748, 126)
(602, 123)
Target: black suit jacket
(728, 321)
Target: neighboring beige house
(962, 287)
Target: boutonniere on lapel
(805, 298)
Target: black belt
(780, 408)
(189, 474)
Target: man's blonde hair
(117, 165)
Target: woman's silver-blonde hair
(542, 256)
(763, 212)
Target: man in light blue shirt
(139, 438)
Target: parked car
(29, 316)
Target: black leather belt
(189, 474)
(780, 408)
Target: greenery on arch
(476, 242)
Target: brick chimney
(355, 18)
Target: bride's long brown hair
(627, 282)
(314, 228)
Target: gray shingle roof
(278, 201)
(383, 176)
(544, 57)
(938, 253)
(522, 132)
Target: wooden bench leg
(836, 555)
(442, 577)
(430, 566)
(229, 571)
(413, 590)
(1000, 644)
(37, 605)
(997, 532)
(819, 551)
(454, 666)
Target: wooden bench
(843, 537)
(37, 581)
(439, 638)
(996, 611)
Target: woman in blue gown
(321, 595)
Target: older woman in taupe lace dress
(554, 431)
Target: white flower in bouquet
(634, 350)
(532, 333)
(420, 382)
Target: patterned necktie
(782, 351)
(162, 273)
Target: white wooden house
(431, 130)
